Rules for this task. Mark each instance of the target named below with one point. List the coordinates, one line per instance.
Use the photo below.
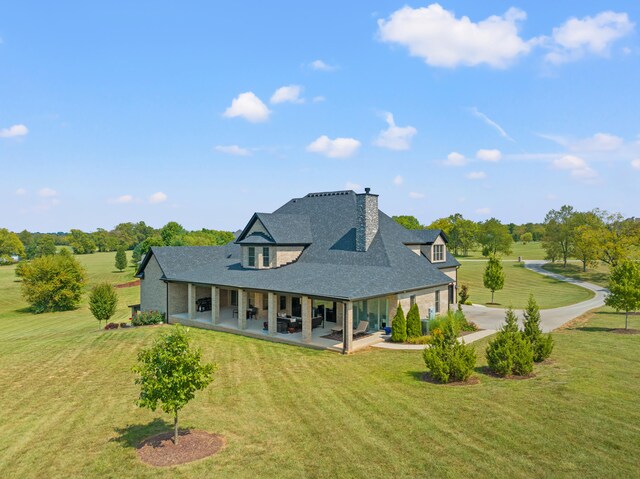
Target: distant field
(68, 411)
(519, 282)
(532, 250)
(598, 275)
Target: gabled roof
(285, 229)
(426, 236)
(329, 266)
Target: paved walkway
(491, 319)
(550, 319)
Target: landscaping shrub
(464, 295)
(510, 353)
(419, 339)
(414, 326)
(399, 327)
(458, 318)
(446, 358)
(111, 326)
(145, 318)
(124, 325)
(542, 344)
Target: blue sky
(204, 113)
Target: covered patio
(299, 320)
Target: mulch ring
(160, 451)
(624, 331)
(469, 382)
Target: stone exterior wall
(153, 291)
(425, 299)
(259, 257)
(178, 298)
(452, 273)
(367, 221)
(286, 254)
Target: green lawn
(519, 283)
(68, 406)
(532, 250)
(598, 275)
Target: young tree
(414, 326)
(10, 245)
(493, 278)
(494, 237)
(399, 326)
(526, 238)
(53, 283)
(542, 344)
(169, 373)
(448, 359)
(624, 288)
(121, 259)
(464, 295)
(510, 353)
(103, 302)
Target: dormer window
(266, 262)
(438, 252)
(252, 257)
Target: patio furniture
(361, 329)
(235, 313)
(337, 329)
(316, 322)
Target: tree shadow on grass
(417, 375)
(594, 329)
(133, 434)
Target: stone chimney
(367, 225)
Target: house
(319, 263)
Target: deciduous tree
(493, 278)
(10, 245)
(559, 233)
(409, 222)
(103, 302)
(494, 238)
(624, 288)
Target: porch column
(347, 330)
(289, 306)
(306, 319)
(215, 305)
(339, 314)
(191, 300)
(242, 309)
(272, 312)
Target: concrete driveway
(550, 319)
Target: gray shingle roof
(329, 266)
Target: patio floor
(229, 323)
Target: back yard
(68, 405)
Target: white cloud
(442, 40)
(489, 155)
(158, 197)
(14, 131)
(578, 37)
(455, 159)
(289, 93)
(477, 175)
(596, 143)
(318, 99)
(319, 65)
(47, 193)
(21, 192)
(232, 150)
(415, 195)
(635, 164)
(398, 180)
(337, 148)
(353, 186)
(124, 199)
(551, 196)
(491, 123)
(248, 106)
(576, 165)
(395, 137)
(483, 211)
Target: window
(265, 257)
(252, 256)
(234, 297)
(437, 301)
(283, 303)
(438, 252)
(452, 294)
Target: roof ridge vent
(328, 193)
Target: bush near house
(414, 325)
(399, 326)
(510, 353)
(145, 318)
(457, 318)
(446, 358)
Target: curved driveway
(550, 319)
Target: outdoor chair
(361, 329)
